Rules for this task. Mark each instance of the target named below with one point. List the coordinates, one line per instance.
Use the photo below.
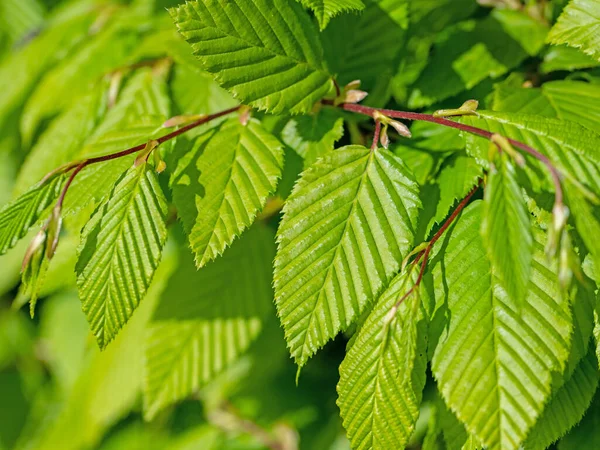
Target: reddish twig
(424, 255)
(78, 166)
(369, 111)
(376, 135)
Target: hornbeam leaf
(17, 218)
(496, 362)
(265, 52)
(572, 398)
(570, 146)
(315, 135)
(578, 26)
(383, 374)
(460, 174)
(324, 10)
(347, 226)
(223, 182)
(207, 319)
(572, 100)
(506, 229)
(586, 218)
(120, 251)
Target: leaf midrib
(112, 251)
(335, 256)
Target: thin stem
(554, 172)
(78, 166)
(424, 255)
(63, 193)
(376, 135)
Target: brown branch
(78, 166)
(369, 111)
(424, 255)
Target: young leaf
(347, 226)
(578, 26)
(506, 229)
(324, 10)
(206, 320)
(20, 215)
(223, 182)
(315, 135)
(265, 52)
(120, 251)
(496, 362)
(383, 374)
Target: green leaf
(383, 374)
(136, 118)
(506, 229)
(587, 219)
(314, 136)
(578, 26)
(75, 75)
(195, 91)
(17, 218)
(223, 182)
(62, 141)
(120, 251)
(63, 34)
(586, 434)
(346, 228)
(456, 179)
(265, 52)
(324, 10)
(108, 383)
(571, 147)
(357, 49)
(487, 49)
(18, 17)
(566, 58)
(567, 406)
(496, 362)
(205, 321)
(575, 101)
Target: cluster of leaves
(201, 184)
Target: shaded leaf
(205, 321)
(313, 136)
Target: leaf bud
(400, 128)
(355, 96)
